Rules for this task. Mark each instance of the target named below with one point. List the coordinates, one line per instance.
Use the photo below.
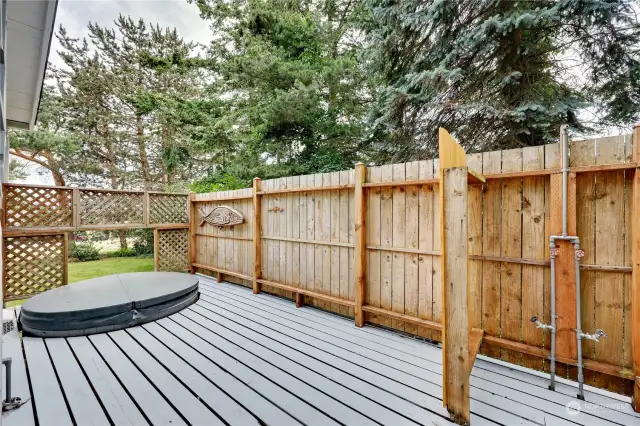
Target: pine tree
(500, 73)
(295, 94)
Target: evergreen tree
(295, 95)
(499, 73)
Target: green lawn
(80, 271)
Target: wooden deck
(235, 358)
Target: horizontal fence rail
(299, 240)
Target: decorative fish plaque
(222, 216)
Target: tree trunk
(113, 174)
(142, 151)
(122, 233)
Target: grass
(80, 271)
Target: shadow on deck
(235, 358)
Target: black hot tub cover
(107, 303)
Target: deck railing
(36, 220)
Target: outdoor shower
(578, 254)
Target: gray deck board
(260, 405)
(12, 348)
(51, 407)
(297, 363)
(145, 395)
(415, 347)
(235, 359)
(540, 399)
(84, 406)
(120, 407)
(281, 396)
(228, 409)
(191, 407)
(420, 392)
(329, 406)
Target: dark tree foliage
(500, 73)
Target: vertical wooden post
(75, 208)
(193, 250)
(65, 258)
(565, 267)
(3, 219)
(3, 225)
(635, 275)
(454, 261)
(145, 208)
(3, 251)
(360, 257)
(257, 235)
(155, 249)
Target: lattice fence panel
(33, 264)
(167, 208)
(172, 250)
(38, 207)
(110, 208)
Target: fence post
(75, 207)
(65, 258)
(191, 204)
(454, 261)
(145, 208)
(257, 235)
(155, 249)
(635, 275)
(360, 241)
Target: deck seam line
(318, 315)
(317, 323)
(350, 342)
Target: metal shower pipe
(578, 254)
(553, 249)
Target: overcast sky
(74, 15)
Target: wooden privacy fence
(302, 239)
(36, 221)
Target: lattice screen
(172, 250)
(33, 207)
(167, 208)
(33, 264)
(109, 208)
